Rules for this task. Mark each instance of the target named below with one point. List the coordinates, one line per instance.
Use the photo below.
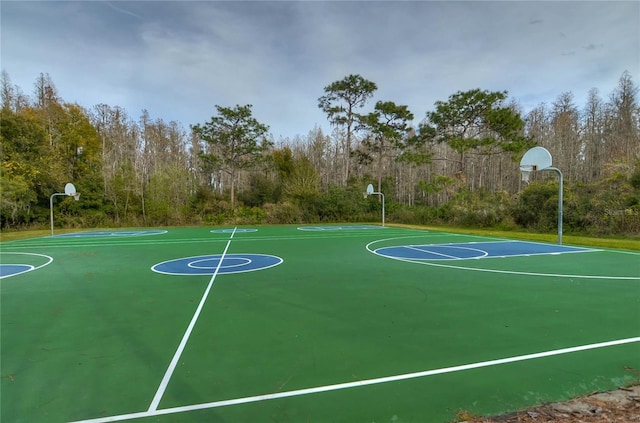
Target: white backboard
(69, 189)
(537, 158)
(370, 189)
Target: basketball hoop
(371, 191)
(70, 191)
(539, 159)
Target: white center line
(176, 357)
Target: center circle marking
(242, 261)
(229, 231)
(210, 264)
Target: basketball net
(525, 171)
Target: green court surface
(353, 323)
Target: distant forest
(458, 166)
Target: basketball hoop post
(369, 192)
(538, 159)
(559, 202)
(51, 207)
(69, 190)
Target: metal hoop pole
(381, 195)
(559, 172)
(51, 207)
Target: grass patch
(14, 235)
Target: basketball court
(314, 323)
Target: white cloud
(180, 59)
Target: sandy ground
(619, 406)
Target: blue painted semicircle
(7, 270)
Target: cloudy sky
(179, 59)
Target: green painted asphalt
(92, 334)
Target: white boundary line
(100, 234)
(128, 242)
(449, 257)
(359, 383)
(339, 228)
(514, 272)
(176, 357)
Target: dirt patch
(619, 406)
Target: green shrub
(480, 208)
(537, 207)
(249, 215)
(282, 213)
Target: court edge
(366, 382)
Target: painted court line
(7, 272)
(129, 242)
(515, 272)
(425, 250)
(176, 357)
(369, 247)
(359, 383)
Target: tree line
(459, 165)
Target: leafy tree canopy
(236, 137)
(343, 97)
(237, 141)
(476, 119)
(388, 122)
